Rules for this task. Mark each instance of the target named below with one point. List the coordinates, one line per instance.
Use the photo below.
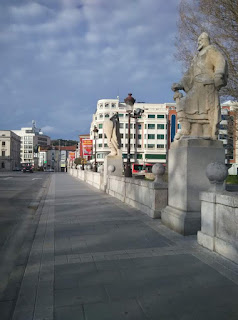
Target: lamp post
(129, 101)
(95, 132)
(131, 114)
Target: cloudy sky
(58, 57)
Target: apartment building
(55, 157)
(148, 133)
(228, 134)
(31, 139)
(9, 150)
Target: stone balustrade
(141, 194)
(219, 223)
(219, 215)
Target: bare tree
(219, 19)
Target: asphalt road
(20, 195)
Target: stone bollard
(158, 170)
(111, 168)
(216, 173)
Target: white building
(9, 150)
(148, 133)
(31, 138)
(48, 158)
(228, 134)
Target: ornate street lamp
(95, 133)
(131, 114)
(129, 101)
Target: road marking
(7, 178)
(36, 178)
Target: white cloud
(58, 58)
(48, 129)
(31, 10)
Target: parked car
(27, 168)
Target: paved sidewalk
(94, 258)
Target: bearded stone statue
(199, 112)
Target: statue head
(203, 41)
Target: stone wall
(139, 194)
(219, 223)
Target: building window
(3, 165)
(100, 106)
(155, 156)
(223, 126)
(151, 136)
(151, 146)
(100, 126)
(160, 116)
(173, 127)
(160, 126)
(222, 136)
(139, 146)
(139, 126)
(106, 105)
(139, 156)
(3, 153)
(100, 136)
(139, 136)
(3, 143)
(224, 117)
(131, 136)
(160, 136)
(131, 126)
(151, 116)
(101, 115)
(100, 145)
(120, 115)
(121, 125)
(145, 126)
(160, 146)
(105, 145)
(113, 105)
(106, 115)
(151, 126)
(122, 135)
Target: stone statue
(199, 111)
(112, 131)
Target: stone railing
(140, 194)
(144, 195)
(219, 223)
(219, 215)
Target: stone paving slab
(94, 257)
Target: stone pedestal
(188, 159)
(115, 161)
